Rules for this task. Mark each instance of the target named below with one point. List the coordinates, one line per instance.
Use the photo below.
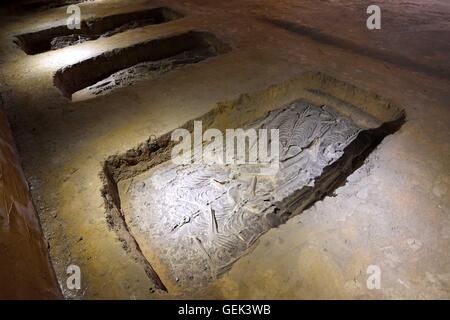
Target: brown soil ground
(393, 212)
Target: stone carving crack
(201, 218)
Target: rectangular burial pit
(61, 36)
(191, 222)
(123, 67)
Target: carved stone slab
(199, 219)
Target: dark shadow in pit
(147, 60)
(335, 175)
(61, 36)
(390, 57)
(319, 89)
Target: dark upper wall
(25, 268)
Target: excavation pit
(123, 67)
(189, 223)
(61, 36)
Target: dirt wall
(25, 268)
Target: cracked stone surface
(199, 219)
(145, 71)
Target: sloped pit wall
(376, 117)
(88, 72)
(61, 36)
(25, 268)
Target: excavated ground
(90, 29)
(41, 5)
(125, 66)
(193, 222)
(392, 211)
